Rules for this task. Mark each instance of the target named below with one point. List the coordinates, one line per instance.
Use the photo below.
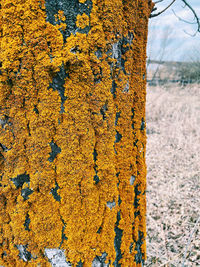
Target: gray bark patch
(126, 88)
(118, 137)
(132, 179)
(54, 151)
(58, 84)
(23, 253)
(120, 48)
(142, 127)
(3, 147)
(55, 193)
(20, 180)
(80, 264)
(111, 205)
(139, 256)
(26, 192)
(4, 121)
(56, 257)
(98, 53)
(99, 261)
(70, 8)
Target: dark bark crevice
(137, 193)
(142, 127)
(26, 192)
(58, 84)
(23, 253)
(55, 150)
(139, 257)
(103, 110)
(96, 177)
(20, 180)
(55, 193)
(27, 222)
(117, 241)
(117, 117)
(63, 237)
(118, 137)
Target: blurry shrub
(188, 72)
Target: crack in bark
(139, 257)
(118, 137)
(55, 193)
(58, 83)
(96, 177)
(104, 109)
(63, 234)
(27, 222)
(55, 150)
(117, 241)
(23, 253)
(26, 192)
(20, 180)
(142, 124)
(137, 193)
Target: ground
(173, 192)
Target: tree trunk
(72, 137)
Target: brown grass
(173, 161)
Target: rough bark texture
(72, 133)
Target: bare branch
(192, 35)
(195, 15)
(186, 4)
(196, 18)
(186, 21)
(157, 14)
(156, 2)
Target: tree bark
(72, 134)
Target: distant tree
(187, 72)
(157, 56)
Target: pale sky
(168, 31)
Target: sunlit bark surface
(72, 132)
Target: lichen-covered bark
(72, 133)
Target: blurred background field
(173, 137)
(173, 164)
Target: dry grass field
(173, 163)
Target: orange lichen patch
(60, 16)
(82, 21)
(72, 133)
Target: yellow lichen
(73, 122)
(82, 21)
